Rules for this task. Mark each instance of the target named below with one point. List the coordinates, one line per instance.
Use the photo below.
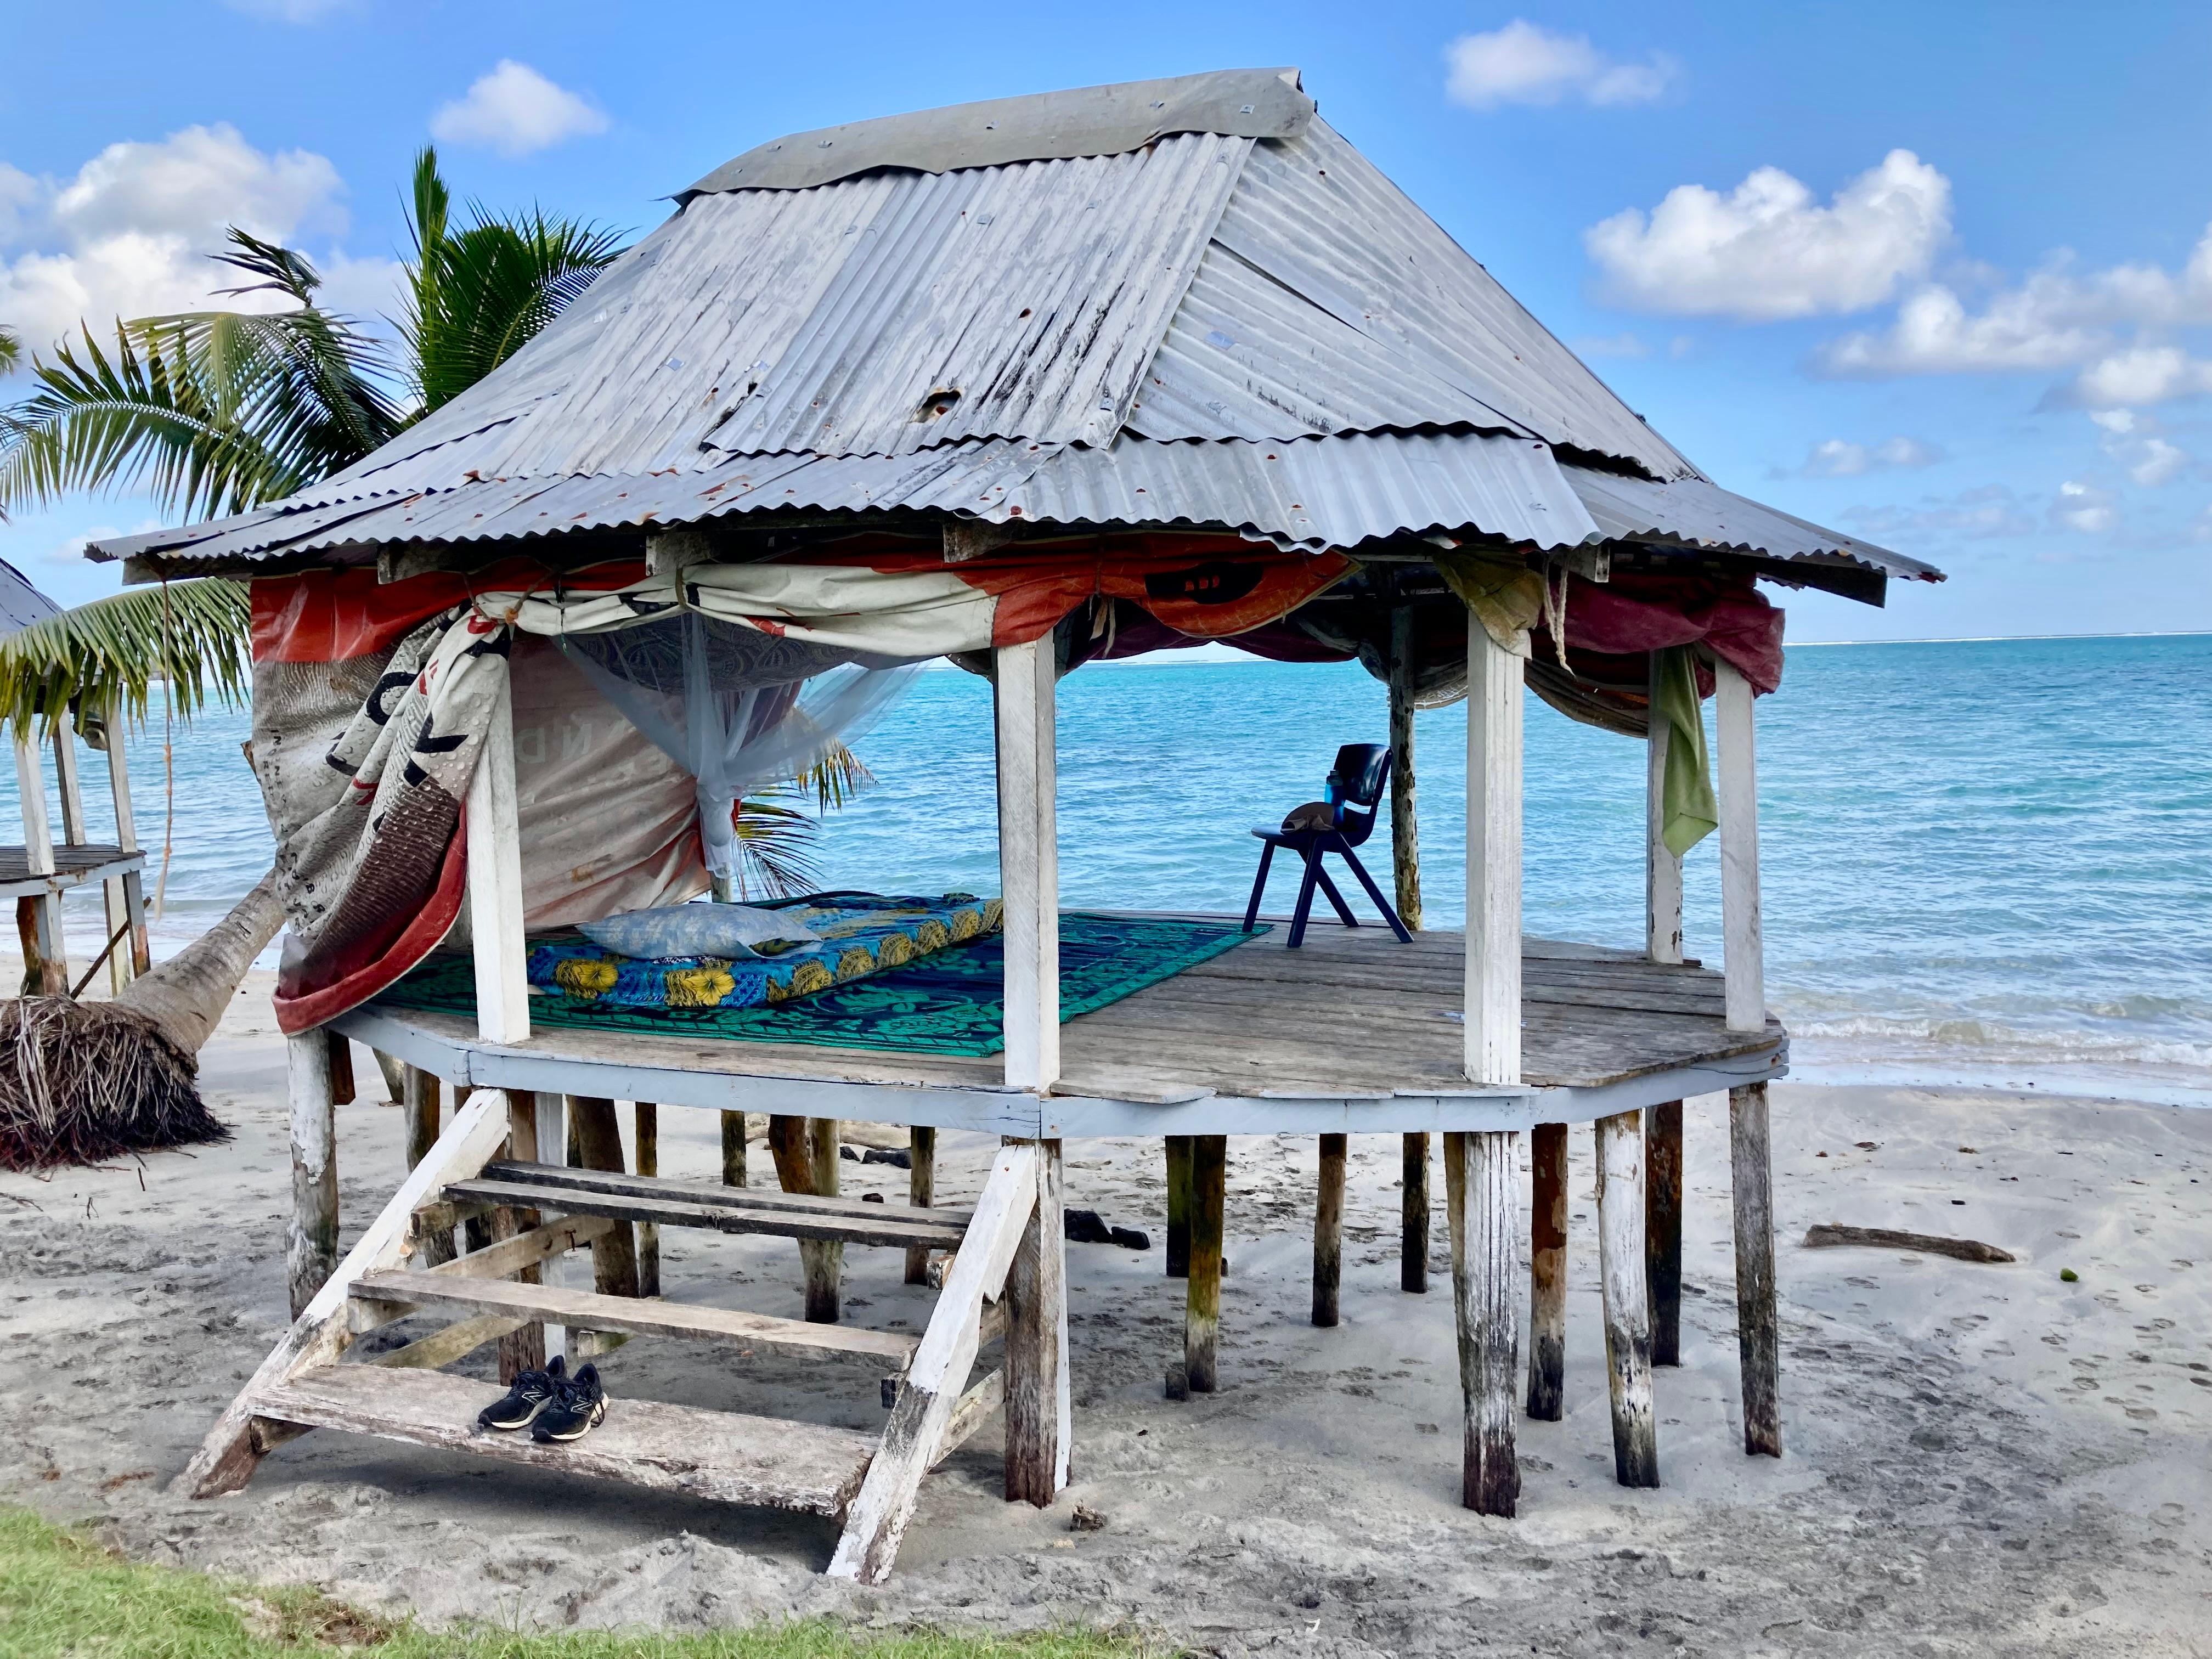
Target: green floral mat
(950, 1003)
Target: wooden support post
(1547, 1272)
(1662, 870)
(1209, 1184)
(419, 1099)
(647, 1118)
(67, 782)
(1029, 860)
(46, 964)
(921, 1193)
(1627, 1311)
(598, 1141)
(1405, 825)
(494, 866)
(124, 895)
(1178, 1172)
(313, 1252)
(823, 1260)
(1479, 1179)
(1662, 1227)
(733, 1149)
(522, 1349)
(1413, 1215)
(1038, 1394)
(1745, 992)
(343, 1093)
(1329, 1232)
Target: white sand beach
(1980, 1459)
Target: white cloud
(2084, 508)
(1840, 458)
(1989, 512)
(2133, 441)
(126, 236)
(515, 111)
(1524, 64)
(2058, 317)
(1768, 250)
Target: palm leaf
(775, 846)
(11, 350)
(190, 634)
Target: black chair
(1358, 780)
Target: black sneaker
(579, 1405)
(533, 1391)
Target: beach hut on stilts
(1028, 384)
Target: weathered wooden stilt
(1662, 1227)
(1627, 1313)
(920, 1192)
(1758, 1336)
(598, 1134)
(418, 1095)
(1547, 1272)
(125, 895)
(38, 917)
(523, 1348)
(313, 1254)
(733, 1149)
(1405, 825)
(1329, 1232)
(1478, 1208)
(824, 1261)
(1209, 1183)
(1414, 1215)
(1178, 1162)
(342, 1084)
(1038, 1394)
(649, 1163)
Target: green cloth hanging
(1689, 811)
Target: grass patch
(64, 1596)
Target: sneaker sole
(547, 1437)
(524, 1422)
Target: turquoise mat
(950, 1003)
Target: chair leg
(1375, 893)
(1305, 898)
(1329, 890)
(1259, 883)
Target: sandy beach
(1981, 1459)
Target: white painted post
(72, 787)
(1662, 870)
(50, 972)
(1750, 1155)
(1479, 1198)
(494, 856)
(1493, 859)
(1663, 1123)
(1029, 861)
(125, 895)
(312, 1253)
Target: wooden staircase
(1005, 1277)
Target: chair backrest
(1361, 771)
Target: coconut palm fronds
(190, 634)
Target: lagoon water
(1983, 860)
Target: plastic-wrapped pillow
(729, 930)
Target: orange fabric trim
(329, 615)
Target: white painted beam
(1662, 870)
(1029, 861)
(495, 862)
(1493, 859)
(1741, 934)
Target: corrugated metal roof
(1693, 513)
(21, 603)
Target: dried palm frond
(84, 1081)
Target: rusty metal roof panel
(1693, 513)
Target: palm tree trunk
(186, 996)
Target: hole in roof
(937, 403)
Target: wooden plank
(1547, 1272)
(724, 1455)
(1479, 1206)
(312, 1249)
(456, 1342)
(1662, 870)
(647, 1317)
(983, 1397)
(1492, 1036)
(226, 1459)
(887, 1228)
(495, 864)
(1759, 1342)
(920, 1192)
(1209, 1181)
(1627, 1308)
(711, 1194)
(1329, 1232)
(1036, 1376)
(1177, 1150)
(541, 1244)
(1413, 1215)
(938, 1375)
(1028, 859)
(1740, 929)
(1662, 1227)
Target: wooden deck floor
(72, 866)
(1350, 1015)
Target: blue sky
(1940, 275)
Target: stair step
(771, 1462)
(647, 1316)
(711, 1194)
(880, 1225)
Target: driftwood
(1830, 1236)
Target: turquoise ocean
(1984, 861)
